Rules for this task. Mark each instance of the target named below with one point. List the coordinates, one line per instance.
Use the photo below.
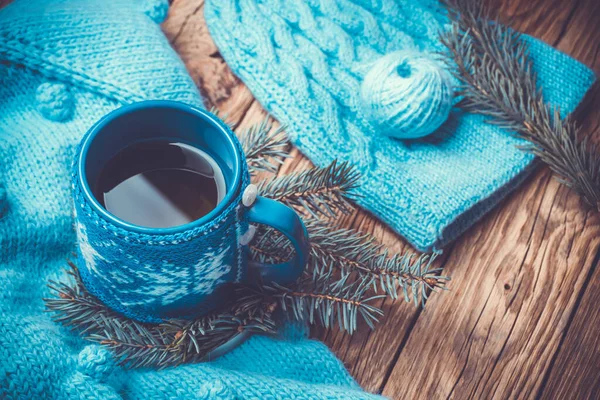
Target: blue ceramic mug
(154, 274)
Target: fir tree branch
(325, 300)
(343, 267)
(137, 344)
(319, 191)
(265, 149)
(349, 251)
(492, 62)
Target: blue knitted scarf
(305, 62)
(63, 65)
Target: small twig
(324, 299)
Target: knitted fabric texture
(63, 65)
(305, 61)
(154, 277)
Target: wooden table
(522, 318)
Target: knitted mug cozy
(152, 277)
(329, 71)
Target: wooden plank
(516, 277)
(186, 29)
(544, 19)
(575, 370)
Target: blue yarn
(305, 62)
(407, 94)
(89, 57)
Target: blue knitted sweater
(305, 60)
(63, 65)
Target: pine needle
(222, 116)
(492, 62)
(319, 191)
(265, 149)
(351, 251)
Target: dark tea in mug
(160, 184)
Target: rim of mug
(206, 116)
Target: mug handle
(285, 220)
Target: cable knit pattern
(63, 65)
(305, 61)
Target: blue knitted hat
(63, 65)
(342, 74)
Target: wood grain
(521, 303)
(576, 370)
(526, 265)
(186, 29)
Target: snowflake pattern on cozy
(160, 283)
(152, 277)
(88, 253)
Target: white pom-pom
(407, 94)
(249, 195)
